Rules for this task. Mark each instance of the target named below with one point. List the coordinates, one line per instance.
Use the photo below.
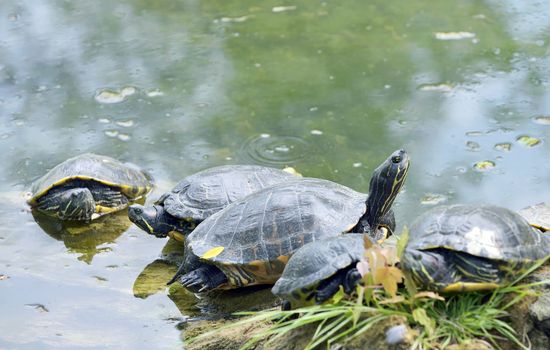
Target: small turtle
(88, 186)
(200, 195)
(471, 247)
(538, 216)
(250, 241)
(317, 270)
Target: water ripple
(275, 150)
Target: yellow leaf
(390, 254)
(395, 300)
(367, 242)
(390, 285)
(212, 253)
(395, 273)
(430, 295)
(380, 274)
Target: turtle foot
(203, 279)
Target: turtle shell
(132, 182)
(489, 232)
(538, 216)
(202, 194)
(254, 237)
(317, 261)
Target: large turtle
(317, 270)
(250, 241)
(471, 247)
(88, 186)
(178, 212)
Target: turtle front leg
(347, 278)
(203, 279)
(71, 204)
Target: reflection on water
(217, 304)
(177, 87)
(85, 239)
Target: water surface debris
(528, 141)
(484, 165)
(503, 146)
(473, 146)
(433, 199)
(542, 119)
(234, 19)
(38, 307)
(436, 87)
(454, 35)
(108, 96)
(278, 9)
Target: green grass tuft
(438, 322)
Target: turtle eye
(396, 159)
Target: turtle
(178, 212)
(250, 241)
(538, 216)
(461, 248)
(317, 270)
(88, 186)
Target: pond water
(179, 86)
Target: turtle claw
(203, 279)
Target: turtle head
(155, 220)
(385, 183)
(427, 269)
(150, 219)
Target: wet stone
(396, 334)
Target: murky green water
(330, 88)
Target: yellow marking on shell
(212, 253)
(125, 189)
(292, 171)
(178, 236)
(469, 287)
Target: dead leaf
(429, 295)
